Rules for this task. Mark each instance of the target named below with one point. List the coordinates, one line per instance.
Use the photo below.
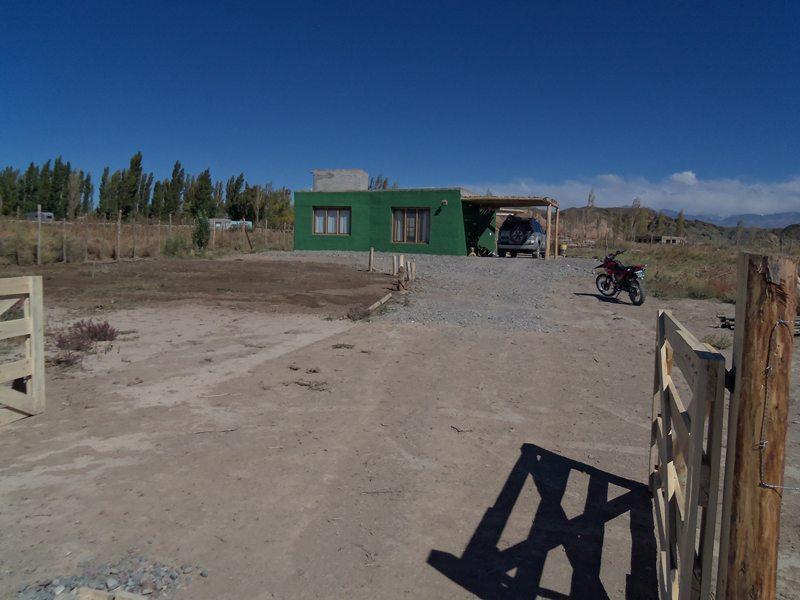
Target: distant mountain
(626, 222)
(773, 221)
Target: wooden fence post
(758, 419)
(85, 238)
(133, 236)
(169, 231)
(395, 266)
(64, 240)
(39, 234)
(119, 235)
(371, 265)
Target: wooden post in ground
(555, 236)
(395, 265)
(39, 234)
(371, 264)
(169, 231)
(85, 238)
(402, 263)
(547, 236)
(64, 240)
(133, 235)
(758, 418)
(119, 235)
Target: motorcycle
(619, 278)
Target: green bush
(202, 232)
(176, 246)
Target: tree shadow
(483, 569)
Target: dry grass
(690, 271)
(95, 240)
(720, 341)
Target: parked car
(46, 216)
(521, 235)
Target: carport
(501, 202)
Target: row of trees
(69, 193)
(56, 185)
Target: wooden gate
(685, 458)
(22, 379)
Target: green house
(426, 220)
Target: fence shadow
(483, 569)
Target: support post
(548, 240)
(85, 238)
(394, 265)
(133, 235)
(402, 263)
(64, 240)
(39, 234)
(119, 235)
(371, 264)
(758, 420)
(555, 236)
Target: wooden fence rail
(685, 458)
(25, 394)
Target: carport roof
(510, 201)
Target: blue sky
(681, 103)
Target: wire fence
(24, 242)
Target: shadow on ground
(483, 569)
(601, 298)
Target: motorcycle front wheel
(636, 293)
(605, 285)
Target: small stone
(203, 573)
(187, 569)
(58, 589)
(112, 583)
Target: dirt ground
(320, 288)
(296, 456)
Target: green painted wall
(371, 221)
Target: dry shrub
(720, 341)
(357, 313)
(81, 335)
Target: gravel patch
(501, 293)
(133, 574)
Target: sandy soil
(294, 456)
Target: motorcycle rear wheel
(605, 285)
(636, 293)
